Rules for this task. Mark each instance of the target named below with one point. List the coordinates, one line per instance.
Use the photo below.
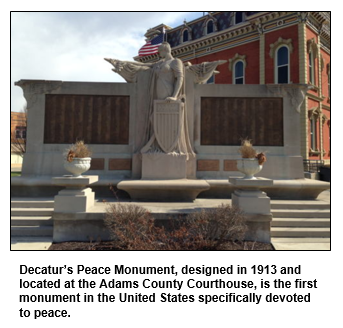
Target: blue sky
(70, 46)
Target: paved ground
(35, 243)
(30, 243)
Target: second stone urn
(78, 166)
(249, 166)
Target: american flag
(151, 47)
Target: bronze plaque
(230, 165)
(208, 165)
(94, 119)
(97, 164)
(227, 120)
(120, 164)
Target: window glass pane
(239, 17)
(239, 69)
(239, 80)
(283, 74)
(310, 66)
(282, 56)
(210, 80)
(209, 27)
(185, 36)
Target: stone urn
(78, 166)
(249, 166)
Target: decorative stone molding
(303, 16)
(257, 24)
(322, 62)
(324, 119)
(278, 43)
(296, 93)
(186, 27)
(236, 58)
(209, 18)
(33, 88)
(314, 113)
(312, 46)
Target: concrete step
(293, 213)
(31, 211)
(31, 221)
(32, 231)
(301, 244)
(300, 240)
(302, 232)
(299, 205)
(32, 203)
(300, 222)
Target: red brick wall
(270, 38)
(326, 135)
(250, 50)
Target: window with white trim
(211, 80)
(210, 27)
(20, 132)
(313, 126)
(239, 17)
(185, 36)
(311, 64)
(238, 72)
(282, 71)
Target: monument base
(182, 190)
(256, 206)
(164, 166)
(76, 197)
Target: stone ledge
(182, 190)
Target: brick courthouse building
(265, 48)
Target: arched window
(312, 71)
(282, 65)
(210, 27)
(314, 117)
(238, 73)
(239, 17)
(185, 36)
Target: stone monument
(166, 150)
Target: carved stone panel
(226, 120)
(94, 119)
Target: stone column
(303, 80)
(262, 55)
(256, 206)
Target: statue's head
(164, 49)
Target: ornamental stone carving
(278, 43)
(236, 58)
(312, 46)
(296, 95)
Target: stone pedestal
(71, 221)
(76, 197)
(164, 166)
(255, 204)
(176, 190)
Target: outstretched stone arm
(128, 70)
(203, 72)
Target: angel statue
(167, 83)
